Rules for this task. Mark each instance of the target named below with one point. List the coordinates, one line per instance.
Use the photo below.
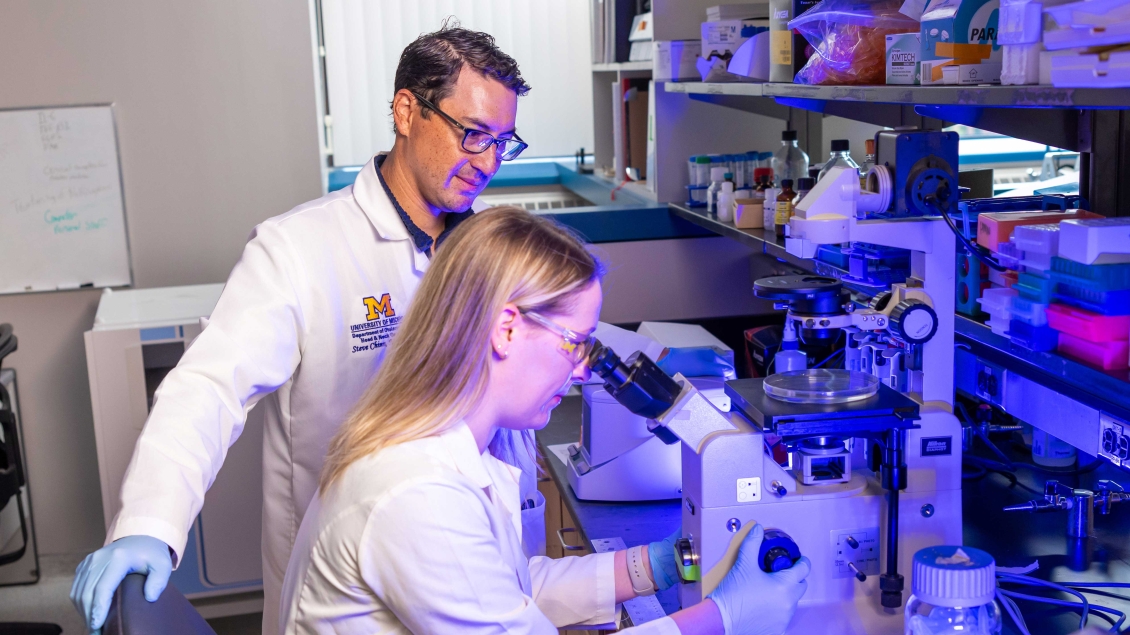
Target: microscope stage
(886, 410)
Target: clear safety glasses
(574, 346)
(477, 141)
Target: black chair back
(131, 614)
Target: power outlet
(857, 546)
(990, 383)
(1114, 440)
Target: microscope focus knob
(914, 321)
(778, 551)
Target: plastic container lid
(788, 135)
(702, 158)
(841, 145)
(954, 576)
(821, 385)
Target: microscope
(873, 467)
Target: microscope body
(731, 482)
(868, 482)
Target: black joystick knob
(778, 551)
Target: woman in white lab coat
(417, 523)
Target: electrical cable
(1087, 609)
(997, 468)
(977, 251)
(1013, 611)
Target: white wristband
(641, 581)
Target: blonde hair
(437, 368)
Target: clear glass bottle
(803, 186)
(868, 162)
(785, 202)
(953, 593)
(840, 157)
(789, 161)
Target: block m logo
(378, 308)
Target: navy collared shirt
(420, 238)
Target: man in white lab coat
(306, 317)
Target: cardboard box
(720, 40)
(749, 213)
(994, 228)
(959, 33)
(903, 66)
(674, 61)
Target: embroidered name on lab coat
(380, 323)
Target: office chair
(12, 480)
(131, 614)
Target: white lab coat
(301, 328)
(425, 537)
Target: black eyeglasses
(477, 141)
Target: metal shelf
(622, 67)
(768, 243)
(975, 96)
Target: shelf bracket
(1055, 127)
(765, 107)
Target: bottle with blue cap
(954, 590)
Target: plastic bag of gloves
(849, 38)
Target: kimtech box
(902, 58)
(956, 33)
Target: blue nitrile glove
(697, 361)
(99, 575)
(753, 602)
(662, 557)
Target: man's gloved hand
(101, 572)
(698, 361)
(662, 557)
(753, 602)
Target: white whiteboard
(62, 219)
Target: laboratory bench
(1015, 539)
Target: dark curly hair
(430, 65)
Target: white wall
(215, 109)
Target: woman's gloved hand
(662, 557)
(753, 602)
(100, 573)
(697, 361)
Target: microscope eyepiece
(637, 383)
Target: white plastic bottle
(954, 590)
(1049, 451)
(726, 203)
(717, 177)
(790, 357)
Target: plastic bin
(1105, 355)
(1037, 338)
(1009, 255)
(1037, 239)
(1099, 277)
(997, 301)
(1105, 302)
(1035, 287)
(1029, 312)
(1093, 327)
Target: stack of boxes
(1072, 287)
